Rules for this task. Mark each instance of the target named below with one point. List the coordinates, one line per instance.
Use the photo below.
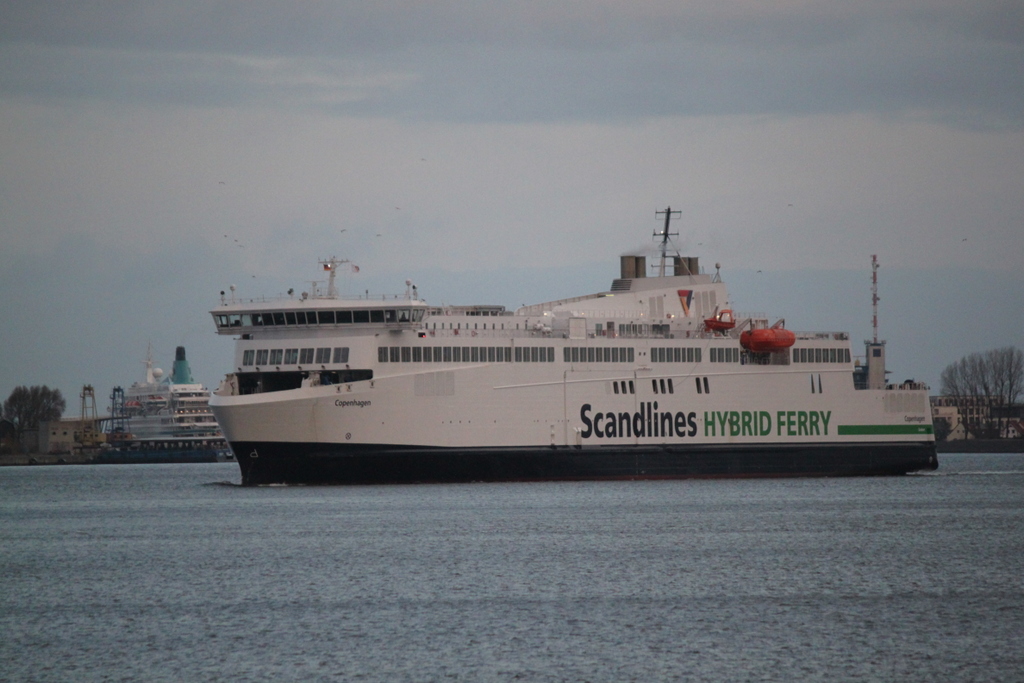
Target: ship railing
(810, 336)
(540, 309)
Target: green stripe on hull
(861, 430)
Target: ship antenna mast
(664, 235)
(874, 297)
(331, 265)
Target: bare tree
(26, 407)
(989, 383)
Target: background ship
(164, 419)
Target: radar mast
(665, 235)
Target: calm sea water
(173, 572)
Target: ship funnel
(633, 267)
(687, 265)
(182, 373)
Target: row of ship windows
(589, 354)
(821, 355)
(321, 356)
(279, 318)
(502, 354)
(519, 354)
(677, 355)
(465, 354)
(664, 385)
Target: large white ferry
(654, 378)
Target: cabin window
(248, 357)
(406, 354)
(340, 354)
(417, 354)
(276, 356)
(261, 357)
(615, 387)
(654, 385)
(661, 382)
(394, 354)
(491, 354)
(447, 354)
(671, 389)
(382, 354)
(291, 356)
(700, 389)
(707, 389)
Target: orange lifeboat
(774, 338)
(721, 322)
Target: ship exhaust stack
(686, 265)
(182, 373)
(633, 267)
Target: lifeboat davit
(774, 338)
(721, 322)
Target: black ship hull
(318, 463)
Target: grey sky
(152, 153)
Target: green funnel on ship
(182, 373)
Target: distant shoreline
(981, 446)
(959, 446)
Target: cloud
(523, 61)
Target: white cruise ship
(164, 418)
(654, 378)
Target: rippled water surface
(173, 572)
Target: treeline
(985, 388)
(25, 408)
